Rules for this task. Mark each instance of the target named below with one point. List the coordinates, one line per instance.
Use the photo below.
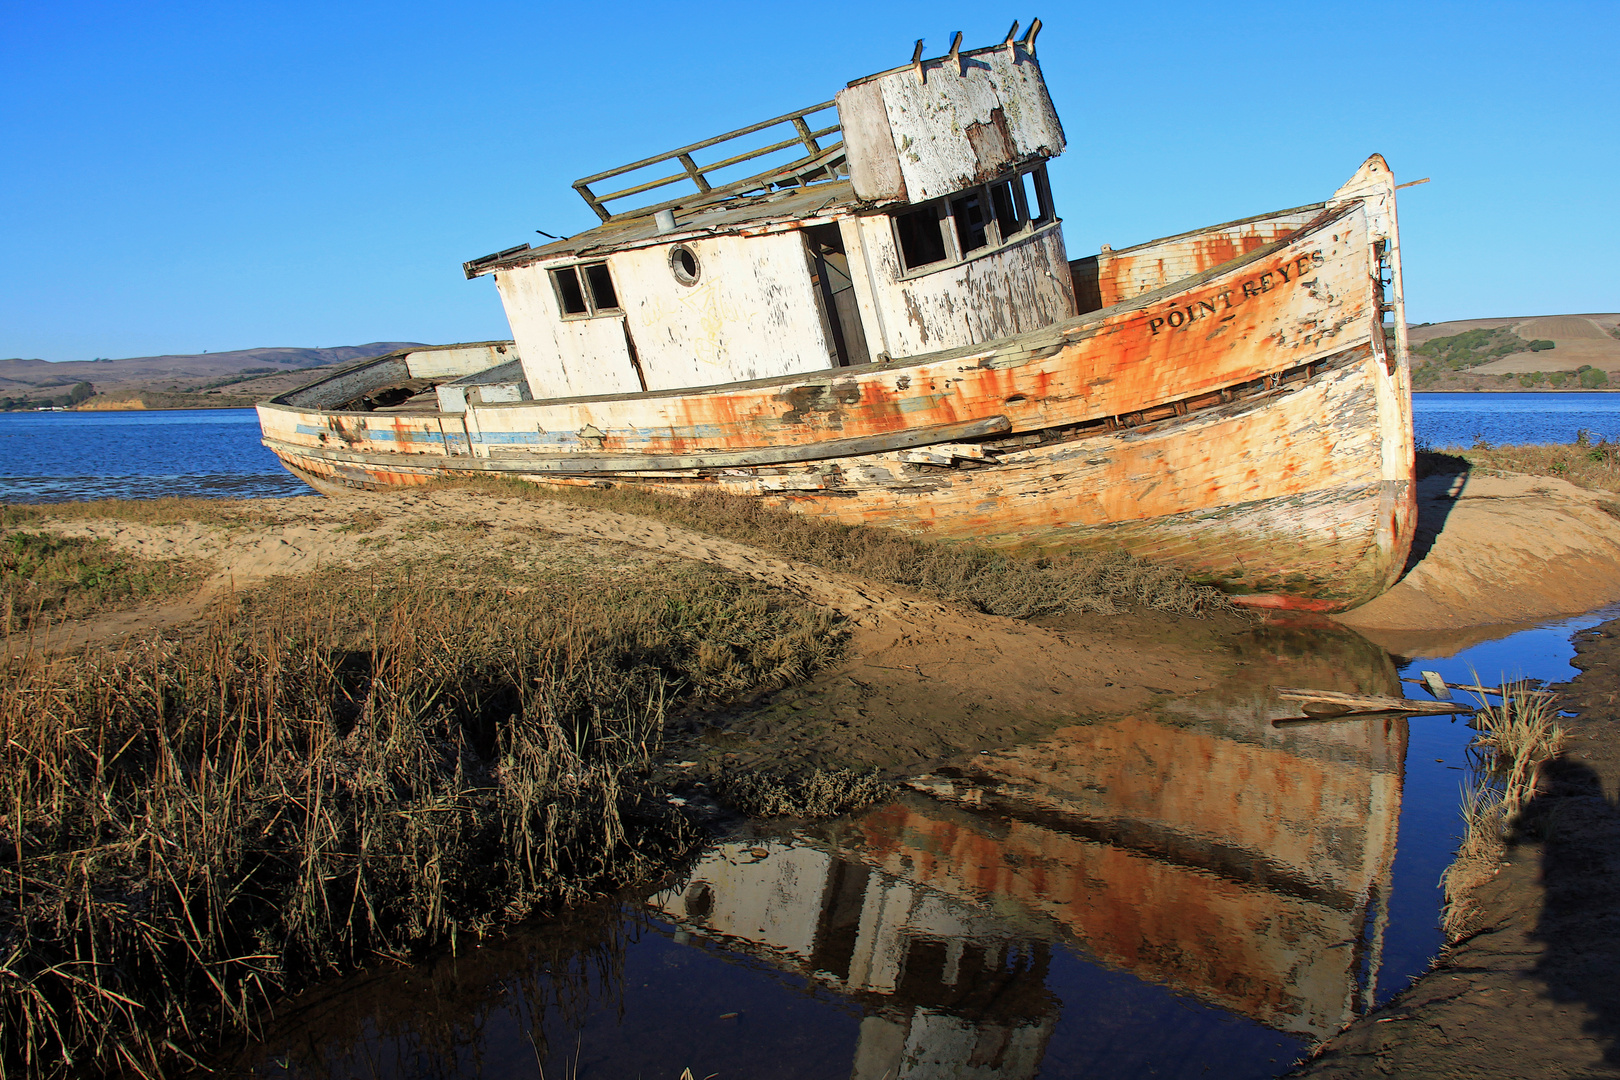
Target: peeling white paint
(753, 314)
(563, 358)
(1023, 286)
(965, 121)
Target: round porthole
(683, 263)
(699, 901)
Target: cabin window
(1010, 220)
(922, 242)
(973, 222)
(683, 263)
(1035, 196)
(603, 298)
(584, 291)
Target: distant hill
(250, 373)
(1508, 353)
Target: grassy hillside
(202, 380)
(1549, 352)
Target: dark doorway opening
(836, 291)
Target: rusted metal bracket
(1029, 38)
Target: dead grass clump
(992, 581)
(1484, 831)
(811, 793)
(173, 510)
(331, 770)
(1518, 737)
(1515, 739)
(45, 578)
(1584, 463)
(361, 521)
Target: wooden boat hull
(1250, 423)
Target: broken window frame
(581, 273)
(942, 224)
(1028, 220)
(1043, 194)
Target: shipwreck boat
(888, 329)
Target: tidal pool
(1190, 891)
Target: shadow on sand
(1440, 477)
(1580, 918)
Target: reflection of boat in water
(1214, 855)
(943, 980)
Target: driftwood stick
(1498, 691)
(1370, 702)
(1474, 688)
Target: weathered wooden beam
(706, 143)
(1368, 702)
(542, 461)
(1295, 721)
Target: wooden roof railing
(804, 135)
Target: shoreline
(1528, 989)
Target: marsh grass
(165, 511)
(1587, 462)
(1516, 738)
(361, 521)
(994, 582)
(333, 769)
(45, 577)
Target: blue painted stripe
(379, 434)
(508, 437)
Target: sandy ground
(912, 691)
(1495, 553)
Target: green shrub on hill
(1474, 347)
(1592, 378)
(1424, 375)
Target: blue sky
(177, 177)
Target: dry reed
(1516, 738)
(171, 510)
(1588, 462)
(331, 770)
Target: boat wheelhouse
(918, 219)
